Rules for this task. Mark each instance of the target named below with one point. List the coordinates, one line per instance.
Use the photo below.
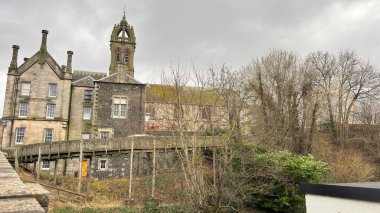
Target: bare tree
(344, 80)
(283, 89)
(368, 112)
(324, 65)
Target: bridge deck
(96, 147)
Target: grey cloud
(202, 32)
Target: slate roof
(79, 74)
(87, 81)
(120, 78)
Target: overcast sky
(197, 31)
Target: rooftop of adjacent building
(79, 74)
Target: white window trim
(56, 90)
(119, 104)
(23, 89)
(109, 130)
(106, 164)
(47, 111)
(87, 116)
(42, 165)
(22, 141)
(19, 110)
(52, 135)
(103, 132)
(89, 136)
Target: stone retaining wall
(15, 196)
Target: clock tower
(123, 45)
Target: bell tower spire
(122, 46)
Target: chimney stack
(43, 49)
(44, 39)
(69, 60)
(13, 64)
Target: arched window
(117, 56)
(126, 57)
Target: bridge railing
(141, 142)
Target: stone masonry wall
(39, 76)
(77, 124)
(118, 166)
(133, 123)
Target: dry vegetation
(354, 163)
(113, 192)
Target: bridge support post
(34, 170)
(89, 176)
(38, 168)
(214, 165)
(131, 172)
(80, 166)
(55, 172)
(154, 168)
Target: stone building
(46, 102)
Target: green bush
(276, 178)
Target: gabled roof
(120, 78)
(35, 58)
(79, 74)
(87, 81)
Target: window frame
(50, 91)
(21, 109)
(45, 165)
(51, 136)
(118, 56)
(120, 107)
(18, 136)
(105, 168)
(206, 113)
(102, 133)
(86, 115)
(150, 111)
(88, 97)
(126, 57)
(48, 113)
(84, 133)
(23, 89)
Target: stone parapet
(15, 196)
